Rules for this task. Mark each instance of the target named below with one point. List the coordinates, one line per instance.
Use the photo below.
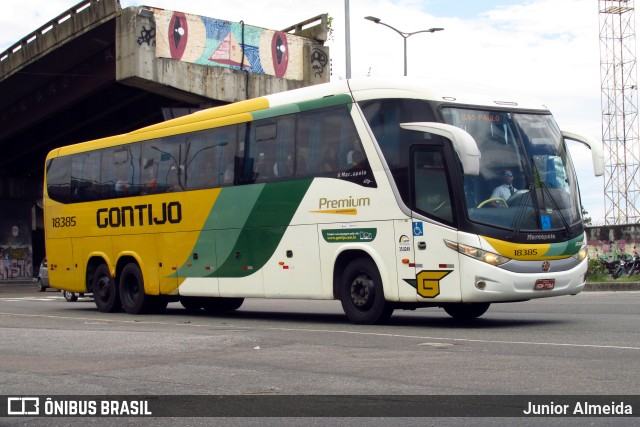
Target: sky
(546, 48)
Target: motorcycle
(635, 267)
(610, 265)
(624, 267)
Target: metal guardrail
(29, 38)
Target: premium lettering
(325, 203)
(139, 215)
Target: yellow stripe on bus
(522, 251)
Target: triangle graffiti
(229, 52)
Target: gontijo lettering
(138, 215)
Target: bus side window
(59, 179)
(434, 198)
(85, 176)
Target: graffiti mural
(16, 259)
(146, 36)
(214, 42)
(611, 240)
(318, 62)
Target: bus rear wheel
(466, 311)
(105, 292)
(213, 305)
(134, 300)
(361, 293)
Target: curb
(612, 286)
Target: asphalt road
(586, 344)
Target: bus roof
(441, 90)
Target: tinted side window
(328, 145)
(85, 176)
(431, 193)
(59, 179)
(384, 117)
(210, 158)
(273, 148)
(120, 171)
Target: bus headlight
(581, 255)
(479, 254)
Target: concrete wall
(624, 237)
(16, 253)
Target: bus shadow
(429, 319)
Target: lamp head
(372, 19)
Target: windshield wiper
(545, 189)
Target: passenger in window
(264, 167)
(357, 160)
(330, 159)
(284, 168)
(302, 169)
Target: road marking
(328, 331)
(31, 299)
(462, 339)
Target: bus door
(436, 266)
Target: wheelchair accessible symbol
(417, 229)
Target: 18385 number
(63, 221)
(525, 252)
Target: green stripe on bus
(265, 227)
(571, 247)
(248, 223)
(329, 101)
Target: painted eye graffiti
(280, 53)
(178, 35)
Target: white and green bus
(378, 193)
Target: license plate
(544, 284)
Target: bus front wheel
(468, 311)
(134, 300)
(105, 292)
(361, 293)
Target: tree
(585, 219)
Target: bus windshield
(527, 181)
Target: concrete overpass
(99, 70)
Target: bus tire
(191, 303)
(105, 292)
(213, 305)
(362, 295)
(466, 311)
(134, 300)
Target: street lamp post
(404, 35)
